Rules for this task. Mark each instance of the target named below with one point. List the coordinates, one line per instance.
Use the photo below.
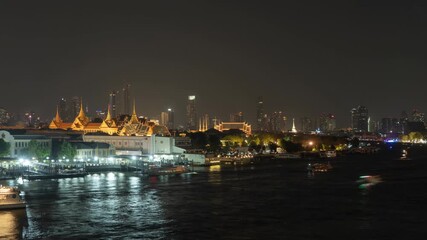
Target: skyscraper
(260, 114)
(73, 107)
(63, 110)
(164, 118)
(4, 117)
(113, 104)
(171, 118)
(307, 124)
(277, 122)
(191, 113)
(417, 116)
(359, 119)
(327, 122)
(126, 99)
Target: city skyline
(330, 59)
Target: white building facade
(19, 143)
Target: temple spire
(108, 118)
(57, 117)
(134, 118)
(82, 114)
(294, 129)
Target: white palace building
(153, 147)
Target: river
(263, 201)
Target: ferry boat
(10, 198)
(168, 170)
(319, 167)
(328, 154)
(287, 156)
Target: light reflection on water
(106, 204)
(258, 202)
(13, 224)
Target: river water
(264, 201)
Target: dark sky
(304, 58)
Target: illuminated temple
(131, 127)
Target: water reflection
(13, 224)
(274, 202)
(215, 168)
(106, 204)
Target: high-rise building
(30, 118)
(307, 124)
(265, 123)
(74, 107)
(63, 109)
(417, 116)
(260, 114)
(164, 118)
(390, 125)
(404, 122)
(277, 122)
(359, 119)
(4, 117)
(126, 99)
(327, 122)
(191, 113)
(113, 104)
(171, 119)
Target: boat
(54, 176)
(328, 154)
(368, 181)
(10, 198)
(168, 170)
(319, 167)
(68, 173)
(404, 155)
(287, 156)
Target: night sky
(304, 58)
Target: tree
(4, 148)
(236, 140)
(198, 140)
(253, 146)
(290, 146)
(272, 146)
(415, 136)
(38, 150)
(355, 142)
(214, 143)
(66, 150)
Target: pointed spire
(294, 130)
(134, 118)
(134, 111)
(82, 112)
(57, 117)
(108, 118)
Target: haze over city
(304, 58)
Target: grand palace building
(128, 127)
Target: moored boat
(168, 170)
(10, 198)
(287, 156)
